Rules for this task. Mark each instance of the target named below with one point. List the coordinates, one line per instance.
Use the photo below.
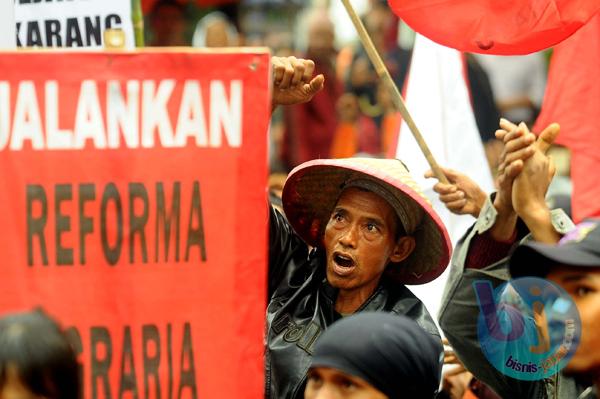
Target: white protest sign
(7, 25)
(75, 23)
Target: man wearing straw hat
(356, 231)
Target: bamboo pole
(384, 75)
(137, 18)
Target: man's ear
(404, 247)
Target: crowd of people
(354, 113)
(347, 233)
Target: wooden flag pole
(138, 22)
(384, 75)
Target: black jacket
(301, 306)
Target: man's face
(321, 39)
(328, 383)
(377, 22)
(584, 287)
(168, 26)
(217, 35)
(360, 241)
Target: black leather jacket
(301, 306)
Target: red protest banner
(132, 196)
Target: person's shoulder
(398, 292)
(280, 226)
(406, 303)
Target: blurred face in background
(217, 36)
(361, 74)
(377, 23)
(321, 37)
(168, 26)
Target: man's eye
(372, 228)
(583, 291)
(348, 384)
(338, 217)
(314, 379)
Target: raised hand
(462, 196)
(293, 81)
(456, 379)
(531, 186)
(518, 147)
(525, 174)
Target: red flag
(503, 27)
(573, 100)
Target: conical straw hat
(313, 189)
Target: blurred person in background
(485, 110)
(215, 30)
(167, 24)
(561, 188)
(355, 132)
(518, 83)
(36, 359)
(381, 24)
(310, 127)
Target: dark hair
(36, 348)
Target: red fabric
(368, 137)
(138, 242)
(355, 138)
(310, 127)
(345, 143)
(496, 26)
(486, 251)
(390, 129)
(573, 100)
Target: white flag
(438, 99)
(7, 25)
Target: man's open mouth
(343, 260)
(343, 265)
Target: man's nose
(349, 237)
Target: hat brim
(536, 259)
(313, 188)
